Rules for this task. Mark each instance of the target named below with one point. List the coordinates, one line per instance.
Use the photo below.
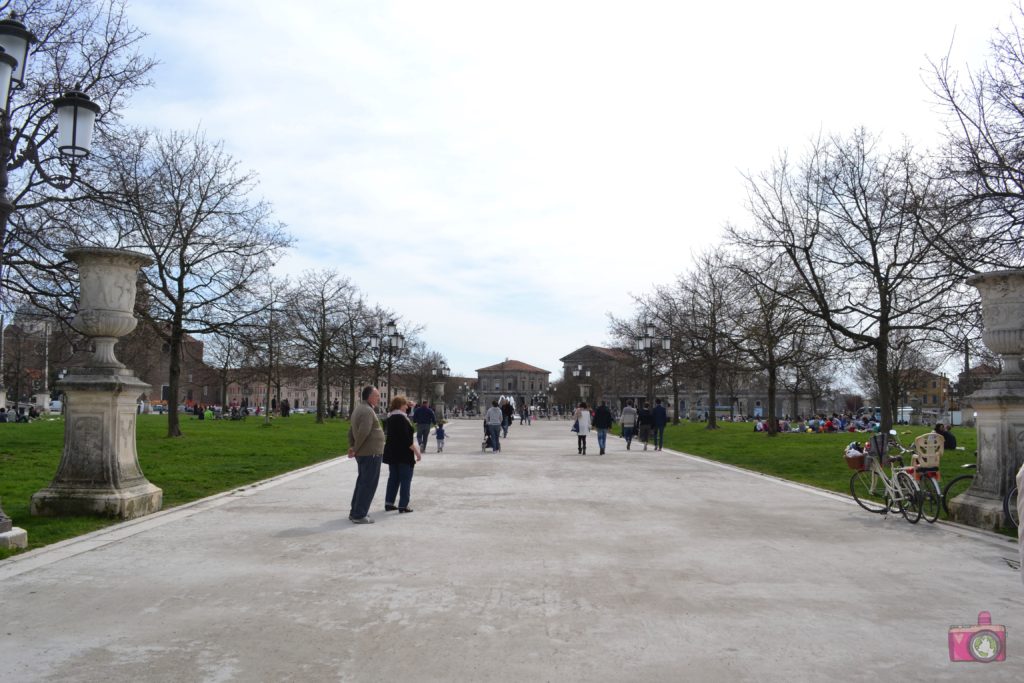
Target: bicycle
(1010, 508)
(875, 491)
(963, 482)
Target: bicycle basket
(856, 462)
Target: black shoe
(602, 451)
(388, 507)
(400, 510)
(361, 520)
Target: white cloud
(506, 173)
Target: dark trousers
(422, 436)
(366, 485)
(581, 443)
(659, 437)
(400, 482)
(495, 432)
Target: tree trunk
(712, 398)
(675, 398)
(321, 371)
(773, 420)
(884, 383)
(173, 380)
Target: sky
(507, 174)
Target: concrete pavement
(536, 564)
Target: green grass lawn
(211, 457)
(815, 459)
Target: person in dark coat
(643, 423)
(602, 423)
(401, 454)
(659, 419)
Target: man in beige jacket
(366, 445)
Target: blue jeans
(423, 435)
(366, 485)
(495, 432)
(399, 478)
(659, 437)
(602, 438)
(505, 424)
(627, 434)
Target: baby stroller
(486, 442)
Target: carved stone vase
(99, 470)
(999, 403)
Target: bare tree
(80, 44)
(769, 331)
(856, 227)
(984, 157)
(706, 294)
(317, 314)
(185, 201)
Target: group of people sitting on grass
(19, 415)
(822, 424)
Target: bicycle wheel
(909, 497)
(931, 499)
(954, 488)
(1010, 508)
(868, 489)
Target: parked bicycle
(960, 484)
(881, 492)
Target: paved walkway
(534, 565)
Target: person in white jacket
(582, 417)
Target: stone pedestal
(14, 538)
(999, 404)
(99, 470)
(1000, 427)
(42, 402)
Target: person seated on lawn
(947, 435)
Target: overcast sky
(507, 173)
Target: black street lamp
(76, 115)
(646, 344)
(393, 343)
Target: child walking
(440, 437)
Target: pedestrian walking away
(628, 421)
(507, 411)
(439, 433)
(582, 417)
(659, 420)
(424, 418)
(401, 454)
(366, 445)
(493, 420)
(643, 422)
(602, 423)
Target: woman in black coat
(400, 455)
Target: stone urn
(999, 403)
(99, 471)
(107, 280)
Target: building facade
(510, 379)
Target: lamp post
(76, 115)
(646, 344)
(392, 343)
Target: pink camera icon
(981, 642)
